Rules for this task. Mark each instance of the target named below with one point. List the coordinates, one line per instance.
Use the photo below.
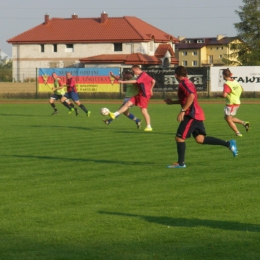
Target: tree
(5, 69)
(247, 51)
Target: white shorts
(231, 111)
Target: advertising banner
(87, 79)
(248, 77)
(166, 81)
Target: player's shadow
(81, 160)
(193, 222)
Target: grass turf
(74, 188)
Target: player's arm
(188, 103)
(226, 90)
(127, 81)
(113, 76)
(169, 101)
(152, 85)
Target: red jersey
(186, 87)
(71, 85)
(144, 83)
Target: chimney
(181, 38)
(104, 17)
(46, 19)
(74, 16)
(220, 36)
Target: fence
(207, 80)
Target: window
(200, 41)
(184, 53)
(184, 63)
(69, 48)
(151, 45)
(118, 46)
(210, 59)
(42, 47)
(194, 63)
(220, 56)
(216, 48)
(55, 48)
(194, 53)
(221, 48)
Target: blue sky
(189, 18)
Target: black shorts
(56, 97)
(190, 126)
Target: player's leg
(199, 133)
(229, 113)
(131, 116)
(51, 101)
(142, 102)
(241, 122)
(121, 109)
(183, 132)
(75, 98)
(110, 120)
(65, 101)
(147, 118)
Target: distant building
(4, 57)
(199, 52)
(87, 42)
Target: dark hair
(128, 72)
(227, 73)
(136, 67)
(181, 71)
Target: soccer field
(74, 188)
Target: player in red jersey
(72, 93)
(145, 84)
(191, 119)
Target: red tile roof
(72, 30)
(134, 58)
(207, 41)
(162, 50)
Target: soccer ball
(104, 111)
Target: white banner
(247, 76)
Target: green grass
(75, 188)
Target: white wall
(27, 57)
(248, 77)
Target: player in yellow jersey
(232, 91)
(58, 94)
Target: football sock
(149, 126)
(83, 108)
(116, 113)
(71, 105)
(66, 104)
(181, 147)
(53, 105)
(215, 141)
(131, 116)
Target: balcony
(212, 62)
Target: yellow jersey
(233, 97)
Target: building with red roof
(88, 42)
(205, 51)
